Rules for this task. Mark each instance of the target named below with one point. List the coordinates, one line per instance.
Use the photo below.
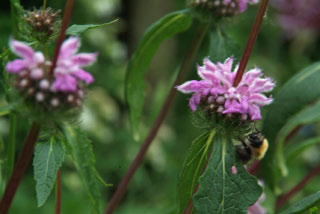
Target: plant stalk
(58, 193)
(185, 67)
(283, 199)
(11, 145)
(62, 34)
(20, 168)
(250, 43)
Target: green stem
(15, 4)
(44, 6)
(11, 145)
(185, 67)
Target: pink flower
(30, 59)
(257, 208)
(242, 4)
(217, 86)
(296, 15)
(69, 66)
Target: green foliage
(192, 169)
(313, 210)
(163, 29)
(48, 158)
(77, 30)
(5, 110)
(220, 190)
(299, 92)
(293, 150)
(221, 45)
(306, 116)
(83, 156)
(304, 204)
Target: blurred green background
(105, 115)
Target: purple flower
(242, 4)
(217, 86)
(69, 66)
(296, 16)
(257, 208)
(30, 60)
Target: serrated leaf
(163, 29)
(303, 204)
(306, 116)
(82, 154)
(220, 190)
(48, 158)
(192, 168)
(76, 30)
(300, 91)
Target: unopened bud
(40, 96)
(44, 84)
(54, 102)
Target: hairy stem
(284, 198)
(20, 168)
(58, 193)
(185, 67)
(11, 145)
(65, 23)
(250, 43)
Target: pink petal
(21, 49)
(65, 83)
(192, 104)
(69, 47)
(16, 66)
(254, 112)
(260, 99)
(83, 75)
(232, 107)
(84, 59)
(210, 66)
(194, 86)
(242, 5)
(207, 75)
(38, 58)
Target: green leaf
(5, 110)
(299, 92)
(48, 158)
(303, 204)
(306, 116)
(163, 29)
(220, 190)
(82, 154)
(313, 210)
(294, 149)
(192, 169)
(76, 30)
(222, 46)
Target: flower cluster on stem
(216, 90)
(33, 81)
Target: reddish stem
(250, 43)
(20, 168)
(283, 199)
(121, 189)
(58, 193)
(254, 168)
(64, 25)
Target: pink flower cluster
(68, 71)
(297, 15)
(216, 86)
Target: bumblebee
(254, 146)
